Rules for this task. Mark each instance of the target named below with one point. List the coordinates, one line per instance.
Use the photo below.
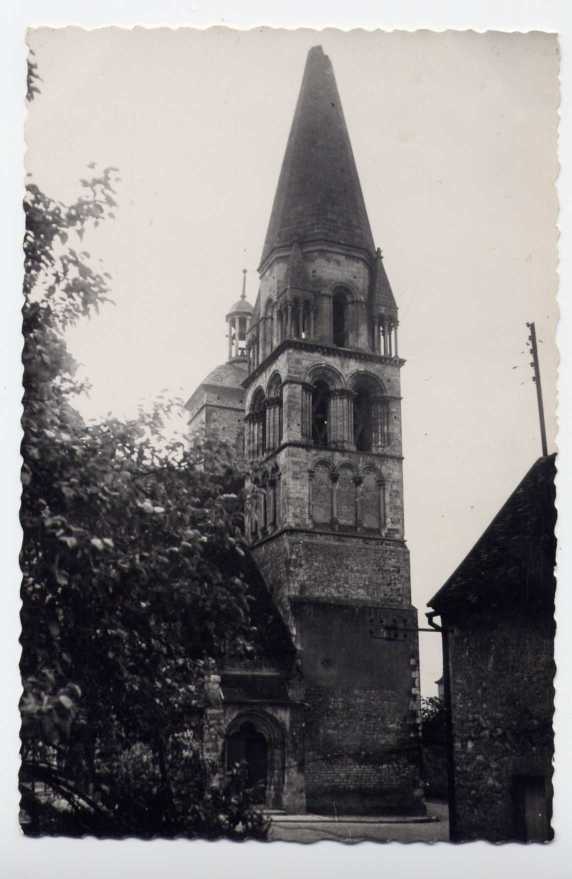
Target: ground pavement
(313, 828)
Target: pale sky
(454, 136)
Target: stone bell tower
(323, 435)
(216, 407)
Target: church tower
(216, 407)
(323, 436)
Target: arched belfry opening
(320, 413)
(254, 745)
(362, 419)
(256, 421)
(238, 322)
(370, 414)
(340, 317)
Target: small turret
(238, 323)
(384, 311)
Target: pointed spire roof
(319, 195)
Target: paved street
(313, 828)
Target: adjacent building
(497, 618)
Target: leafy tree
(132, 584)
(432, 709)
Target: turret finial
(243, 294)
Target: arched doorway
(255, 743)
(247, 747)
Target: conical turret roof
(319, 195)
(383, 298)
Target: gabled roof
(319, 195)
(513, 561)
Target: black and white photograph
(289, 435)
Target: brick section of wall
(502, 703)
(362, 746)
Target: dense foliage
(131, 589)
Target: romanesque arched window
(257, 424)
(320, 413)
(274, 413)
(340, 316)
(273, 499)
(268, 328)
(370, 414)
(362, 420)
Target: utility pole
(536, 379)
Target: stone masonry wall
(361, 678)
(502, 703)
(325, 270)
(335, 567)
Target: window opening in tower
(340, 314)
(320, 413)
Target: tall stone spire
(319, 196)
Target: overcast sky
(455, 141)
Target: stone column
(273, 423)
(270, 438)
(340, 418)
(306, 426)
(378, 422)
